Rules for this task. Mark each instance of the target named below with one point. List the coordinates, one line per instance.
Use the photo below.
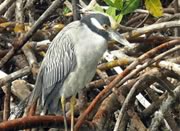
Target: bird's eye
(105, 26)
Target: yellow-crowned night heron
(71, 61)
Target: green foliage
(118, 8)
(130, 6)
(111, 11)
(98, 8)
(66, 10)
(118, 4)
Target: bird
(71, 61)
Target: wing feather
(59, 61)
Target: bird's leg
(63, 102)
(72, 103)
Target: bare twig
(30, 7)
(76, 13)
(170, 66)
(34, 28)
(6, 111)
(151, 28)
(159, 115)
(142, 22)
(135, 19)
(104, 93)
(157, 58)
(19, 11)
(5, 5)
(111, 64)
(126, 102)
(103, 75)
(10, 12)
(153, 107)
(15, 75)
(98, 83)
(29, 54)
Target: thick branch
(152, 28)
(38, 121)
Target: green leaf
(118, 18)
(115, 3)
(130, 6)
(118, 4)
(109, 2)
(154, 7)
(97, 7)
(66, 10)
(111, 11)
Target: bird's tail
(18, 110)
(36, 93)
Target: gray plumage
(71, 60)
(69, 64)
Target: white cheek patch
(96, 23)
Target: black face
(102, 20)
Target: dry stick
(151, 28)
(114, 63)
(175, 59)
(6, 110)
(98, 83)
(29, 34)
(5, 5)
(176, 6)
(137, 84)
(76, 14)
(103, 75)
(177, 10)
(131, 93)
(134, 72)
(105, 92)
(30, 56)
(135, 19)
(15, 75)
(38, 121)
(126, 102)
(170, 66)
(10, 12)
(144, 20)
(165, 10)
(19, 12)
(168, 18)
(153, 107)
(163, 109)
(30, 3)
(31, 9)
(121, 95)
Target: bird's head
(105, 26)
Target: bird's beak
(115, 36)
